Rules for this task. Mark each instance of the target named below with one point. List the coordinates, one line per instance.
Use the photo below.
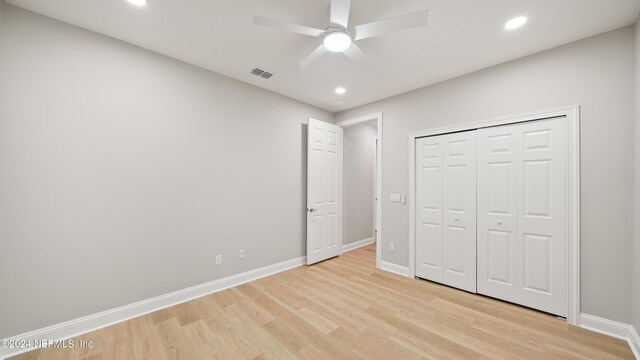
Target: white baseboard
(357, 244)
(634, 342)
(394, 268)
(605, 326)
(612, 328)
(103, 319)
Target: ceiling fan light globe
(337, 41)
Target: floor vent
(263, 74)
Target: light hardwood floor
(343, 308)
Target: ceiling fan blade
(340, 12)
(356, 55)
(315, 55)
(281, 25)
(383, 27)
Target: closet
(491, 212)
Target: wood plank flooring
(343, 308)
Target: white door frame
(358, 121)
(572, 114)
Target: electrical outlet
(392, 246)
(241, 254)
(218, 259)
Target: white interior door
(497, 211)
(429, 212)
(446, 209)
(324, 191)
(459, 226)
(522, 217)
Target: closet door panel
(429, 187)
(497, 211)
(459, 237)
(542, 210)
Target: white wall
(596, 73)
(123, 173)
(359, 164)
(636, 256)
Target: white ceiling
(461, 36)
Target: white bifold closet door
(446, 209)
(522, 216)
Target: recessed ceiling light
(138, 2)
(515, 23)
(337, 40)
(340, 90)
(341, 102)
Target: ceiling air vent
(263, 74)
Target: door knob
(312, 209)
(499, 222)
(456, 218)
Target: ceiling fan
(337, 37)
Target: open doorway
(362, 186)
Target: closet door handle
(456, 218)
(499, 222)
